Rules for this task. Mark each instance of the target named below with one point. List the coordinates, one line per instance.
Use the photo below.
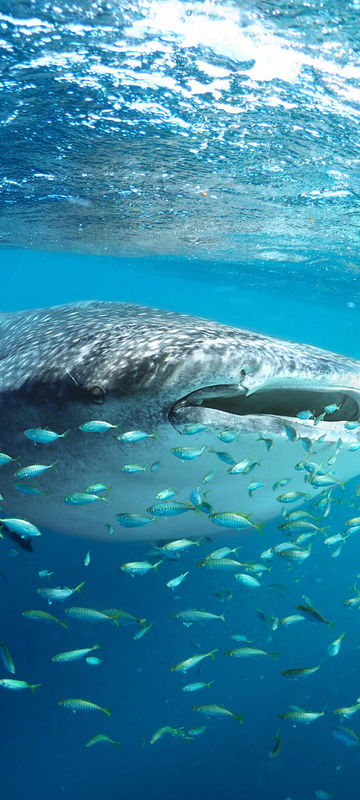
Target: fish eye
(97, 395)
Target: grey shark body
(156, 371)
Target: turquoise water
(202, 158)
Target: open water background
(201, 157)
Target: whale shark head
(169, 375)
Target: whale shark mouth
(274, 401)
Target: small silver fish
(183, 666)
(241, 466)
(247, 580)
(20, 526)
(11, 683)
(139, 567)
(5, 459)
(233, 519)
(88, 615)
(6, 657)
(223, 456)
(44, 436)
(196, 427)
(144, 628)
(209, 476)
(165, 494)
(194, 615)
(74, 655)
(188, 453)
(291, 497)
(96, 426)
(228, 436)
(27, 488)
(178, 544)
(78, 704)
(128, 520)
(169, 508)
(334, 648)
(249, 652)
(222, 552)
(254, 486)
(33, 470)
(174, 582)
(215, 710)
(194, 687)
(135, 436)
(96, 488)
(57, 593)
(305, 717)
(133, 469)
(307, 414)
(222, 564)
(83, 499)
(290, 431)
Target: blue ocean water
(202, 158)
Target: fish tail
(115, 745)
(239, 718)
(64, 624)
(105, 499)
(273, 655)
(96, 647)
(54, 465)
(156, 566)
(259, 528)
(80, 586)
(106, 711)
(34, 686)
(222, 616)
(65, 434)
(212, 653)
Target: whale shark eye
(97, 395)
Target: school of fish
(303, 525)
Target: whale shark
(201, 397)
